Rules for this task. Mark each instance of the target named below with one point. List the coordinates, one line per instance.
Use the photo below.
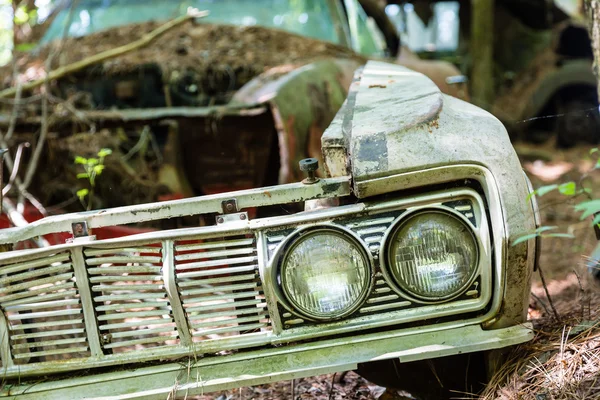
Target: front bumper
(193, 377)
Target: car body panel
(157, 289)
(203, 376)
(421, 137)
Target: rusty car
(230, 101)
(408, 264)
(542, 63)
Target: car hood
(396, 120)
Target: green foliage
(587, 208)
(543, 232)
(568, 189)
(93, 168)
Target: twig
(582, 293)
(15, 168)
(15, 113)
(17, 219)
(141, 143)
(548, 293)
(39, 146)
(109, 54)
(331, 388)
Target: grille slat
(220, 279)
(36, 283)
(44, 297)
(35, 273)
(123, 260)
(217, 263)
(215, 254)
(231, 329)
(45, 314)
(40, 306)
(50, 333)
(194, 292)
(57, 352)
(49, 343)
(34, 264)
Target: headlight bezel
(389, 237)
(307, 231)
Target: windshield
(440, 33)
(312, 18)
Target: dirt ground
(575, 297)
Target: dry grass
(561, 363)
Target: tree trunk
(481, 47)
(592, 8)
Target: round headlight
(433, 255)
(325, 274)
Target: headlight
(325, 274)
(433, 255)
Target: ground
(563, 362)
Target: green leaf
(92, 161)
(596, 220)
(81, 160)
(530, 195)
(25, 47)
(525, 238)
(542, 229)
(560, 235)
(104, 152)
(568, 188)
(82, 193)
(545, 189)
(594, 150)
(98, 169)
(588, 208)
(83, 175)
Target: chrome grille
(43, 309)
(130, 298)
(219, 286)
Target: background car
(233, 101)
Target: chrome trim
(281, 194)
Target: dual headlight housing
(428, 255)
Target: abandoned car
(542, 62)
(405, 254)
(230, 101)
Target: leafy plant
(93, 169)
(588, 208)
(542, 232)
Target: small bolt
(220, 220)
(229, 207)
(310, 166)
(242, 216)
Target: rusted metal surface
(281, 194)
(303, 102)
(146, 114)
